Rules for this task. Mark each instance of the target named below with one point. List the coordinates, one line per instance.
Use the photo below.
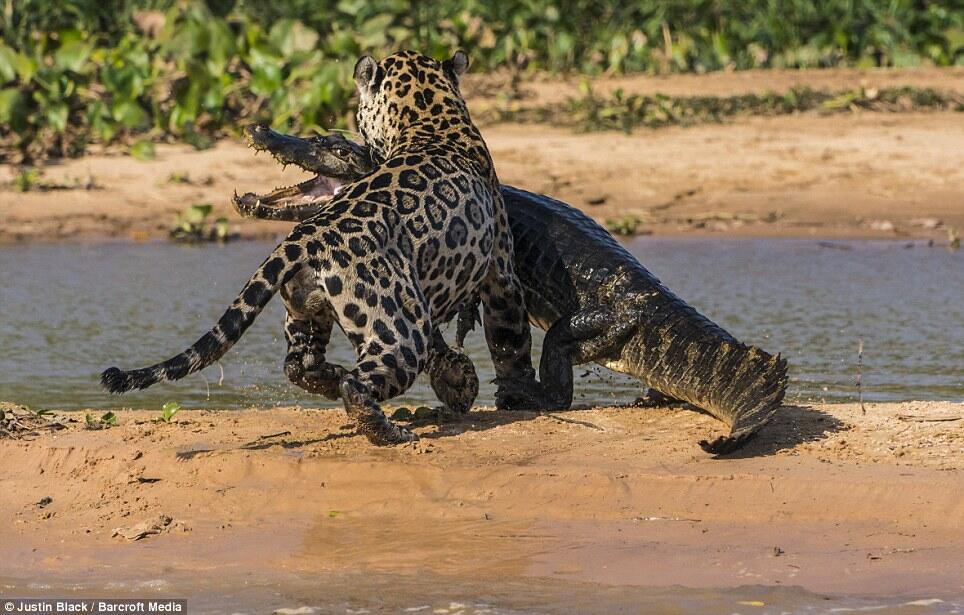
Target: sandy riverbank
(827, 498)
(852, 175)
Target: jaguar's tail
(276, 271)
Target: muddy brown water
(69, 311)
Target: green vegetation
(192, 226)
(168, 411)
(625, 112)
(74, 72)
(106, 421)
(30, 179)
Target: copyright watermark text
(92, 605)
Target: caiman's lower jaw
(315, 191)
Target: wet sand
(827, 498)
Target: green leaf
(291, 36)
(57, 115)
(168, 411)
(109, 419)
(221, 229)
(129, 113)
(12, 110)
(196, 214)
(73, 52)
(8, 66)
(143, 150)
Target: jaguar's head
(408, 91)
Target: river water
(69, 311)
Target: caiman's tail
(745, 389)
(272, 275)
(690, 358)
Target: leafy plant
(26, 179)
(143, 149)
(624, 225)
(191, 226)
(168, 411)
(106, 420)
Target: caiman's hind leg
(305, 363)
(452, 376)
(655, 399)
(588, 335)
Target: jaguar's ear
(365, 70)
(457, 65)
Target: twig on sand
(573, 421)
(860, 361)
(928, 419)
(274, 435)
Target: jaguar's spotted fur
(388, 256)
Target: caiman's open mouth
(288, 150)
(318, 189)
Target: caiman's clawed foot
(454, 381)
(655, 399)
(726, 444)
(523, 394)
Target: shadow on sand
(790, 427)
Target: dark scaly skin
(599, 304)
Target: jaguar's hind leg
(305, 363)
(391, 330)
(381, 373)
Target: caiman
(596, 302)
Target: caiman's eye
(341, 152)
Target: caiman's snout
(288, 150)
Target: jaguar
(388, 256)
